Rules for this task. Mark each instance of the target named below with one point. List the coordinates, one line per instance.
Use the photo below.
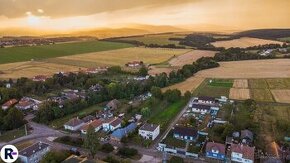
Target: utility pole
(25, 129)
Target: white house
(112, 124)
(96, 124)
(242, 153)
(34, 153)
(74, 124)
(149, 131)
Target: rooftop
(149, 127)
(74, 122)
(216, 147)
(185, 131)
(29, 151)
(248, 152)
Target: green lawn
(286, 39)
(58, 123)
(18, 54)
(221, 83)
(219, 87)
(13, 134)
(164, 115)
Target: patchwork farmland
(19, 54)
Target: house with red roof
(134, 64)
(215, 151)
(242, 153)
(96, 124)
(9, 104)
(39, 78)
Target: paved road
(39, 131)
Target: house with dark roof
(185, 133)
(247, 136)
(74, 124)
(9, 104)
(113, 105)
(215, 151)
(242, 153)
(96, 124)
(34, 153)
(88, 119)
(112, 124)
(149, 131)
(118, 134)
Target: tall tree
(91, 141)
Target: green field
(217, 88)
(221, 83)
(12, 134)
(160, 39)
(18, 54)
(271, 118)
(286, 39)
(164, 115)
(58, 123)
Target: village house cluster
(189, 137)
(106, 121)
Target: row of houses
(24, 103)
(238, 152)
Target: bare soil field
(281, 95)
(244, 42)
(241, 83)
(154, 70)
(275, 68)
(190, 57)
(32, 68)
(122, 56)
(239, 94)
(188, 85)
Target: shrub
(107, 148)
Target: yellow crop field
(122, 56)
(32, 68)
(244, 42)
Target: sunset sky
(81, 14)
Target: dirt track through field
(188, 85)
(190, 57)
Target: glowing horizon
(77, 14)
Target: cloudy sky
(78, 14)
